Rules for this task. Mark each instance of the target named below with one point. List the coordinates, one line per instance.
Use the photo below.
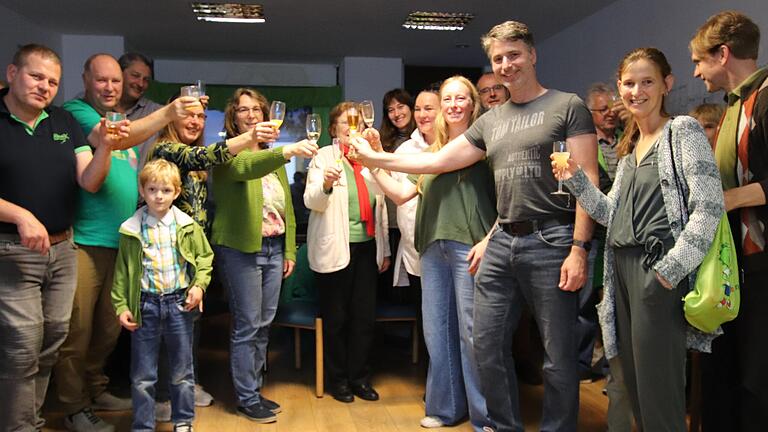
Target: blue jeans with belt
(453, 387)
(253, 281)
(36, 293)
(518, 269)
(163, 321)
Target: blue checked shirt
(165, 270)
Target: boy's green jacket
(192, 244)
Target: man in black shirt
(45, 159)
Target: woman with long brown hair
(652, 247)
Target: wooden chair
(391, 312)
(301, 314)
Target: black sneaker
(257, 413)
(271, 405)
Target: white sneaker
(86, 421)
(106, 401)
(163, 412)
(183, 427)
(202, 397)
(431, 422)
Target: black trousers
(735, 375)
(348, 308)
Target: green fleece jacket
(192, 244)
(239, 201)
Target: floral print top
(273, 211)
(193, 162)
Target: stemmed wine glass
(366, 109)
(314, 128)
(338, 155)
(560, 154)
(277, 113)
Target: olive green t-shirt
(458, 206)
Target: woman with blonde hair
(455, 212)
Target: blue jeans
(517, 269)
(453, 386)
(36, 293)
(253, 282)
(163, 320)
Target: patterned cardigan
(701, 185)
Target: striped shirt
(165, 270)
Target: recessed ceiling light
(229, 12)
(437, 20)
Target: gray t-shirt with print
(518, 141)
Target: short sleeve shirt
(100, 214)
(518, 141)
(38, 169)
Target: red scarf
(366, 214)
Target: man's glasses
(601, 111)
(495, 88)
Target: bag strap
(678, 180)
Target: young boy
(163, 265)
(708, 115)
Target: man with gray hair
(492, 91)
(537, 253)
(138, 71)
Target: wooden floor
(400, 384)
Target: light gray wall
(75, 51)
(16, 30)
(591, 49)
(369, 78)
(250, 73)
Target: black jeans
(348, 308)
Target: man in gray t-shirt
(538, 253)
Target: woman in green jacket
(253, 237)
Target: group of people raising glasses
(485, 235)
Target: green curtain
(320, 99)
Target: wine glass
(314, 128)
(338, 155)
(560, 154)
(277, 113)
(353, 119)
(366, 109)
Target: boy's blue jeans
(163, 320)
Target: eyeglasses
(601, 111)
(495, 88)
(247, 110)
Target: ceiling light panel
(229, 12)
(437, 20)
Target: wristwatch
(582, 244)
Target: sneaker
(86, 421)
(106, 401)
(431, 422)
(257, 413)
(163, 412)
(202, 397)
(271, 405)
(183, 427)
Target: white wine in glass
(338, 155)
(560, 154)
(314, 128)
(366, 109)
(277, 113)
(353, 120)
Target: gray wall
(591, 49)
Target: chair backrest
(301, 284)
